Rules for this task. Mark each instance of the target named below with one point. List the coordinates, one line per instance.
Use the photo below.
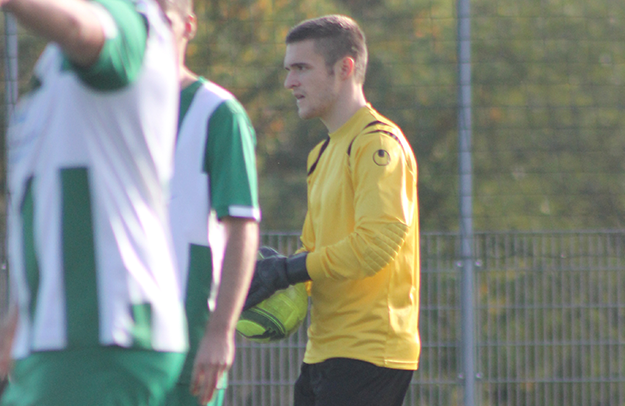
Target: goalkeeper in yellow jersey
(360, 236)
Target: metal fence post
(10, 97)
(466, 202)
(10, 64)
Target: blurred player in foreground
(95, 314)
(214, 219)
(360, 236)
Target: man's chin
(305, 115)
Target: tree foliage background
(548, 81)
(548, 154)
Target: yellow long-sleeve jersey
(362, 234)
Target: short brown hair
(335, 36)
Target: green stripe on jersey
(121, 57)
(142, 328)
(186, 97)
(31, 264)
(199, 281)
(81, 292)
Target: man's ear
(190, 26)
(347, 66)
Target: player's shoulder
(222, 98)
(374, 120)
(212, 91)
(376, 130)
(212, 88)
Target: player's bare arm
(73, 24)
(216, 352)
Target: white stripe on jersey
(190, 196)
(124, 139)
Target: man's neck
(347, 104)
(186, 77)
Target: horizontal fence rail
(550, 323)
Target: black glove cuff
(296, 271)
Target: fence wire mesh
(550, 324)
(549, 81)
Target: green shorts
(106, 376)
(181, 395)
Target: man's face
(313, 86)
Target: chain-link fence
(548, 95)
(550, 324)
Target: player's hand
(214, 358)
(270, 275)
(275, 273)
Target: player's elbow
(384, 247)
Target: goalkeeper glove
(265, 252)
(274, 273)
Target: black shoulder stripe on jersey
(377, 122)
(323, 148)
(374, 123)
(349, 149)
(387, 133)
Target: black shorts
(350, 382)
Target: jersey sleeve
(121, 56)
(383, 211)
(231, 163)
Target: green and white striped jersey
(90, 160)
(214, 176)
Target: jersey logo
(381, 157)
